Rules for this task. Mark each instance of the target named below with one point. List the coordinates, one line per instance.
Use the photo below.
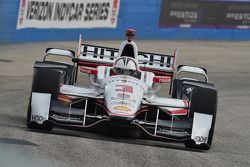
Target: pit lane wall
(153, 19)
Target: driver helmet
(125, 66)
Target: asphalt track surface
(228, 65)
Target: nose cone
(123, 95)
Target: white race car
(122, 97)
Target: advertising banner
(205, 13)
(68, 14)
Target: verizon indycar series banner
(68, 13)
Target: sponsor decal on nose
(121, 108)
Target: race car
(122, 97)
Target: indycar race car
(122, 96)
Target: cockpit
(126, 66)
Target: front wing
(88, 113)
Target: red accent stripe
(178, 112)
(23, 3)
(157, 73)
(185, 103)
(141, 111)
(93, 64)
(65, 98)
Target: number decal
(189, 90)
(124, 88)
(200, 139)
(37, 118)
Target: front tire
(44, 81)
(204, 101)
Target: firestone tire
(204, 100)
(44, 81)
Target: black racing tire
(190, 144)
(44, 81)
(28, 117)
(47, 81)
(175, 88)
(204, 100)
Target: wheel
(192, 145)
(204, 101)
(45, 81)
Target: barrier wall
(142, 15)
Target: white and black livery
(122, 96)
